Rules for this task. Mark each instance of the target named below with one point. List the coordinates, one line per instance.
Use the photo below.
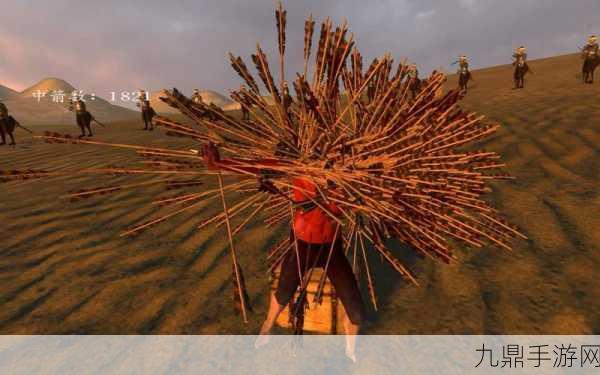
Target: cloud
(426, 14)
(114, 45)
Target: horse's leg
(82, 129)
(89, 127)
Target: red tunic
(313, 226)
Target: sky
(119, 45)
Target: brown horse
(463, 79)
(590, 62)
(84, 121)
(521, 68)
(147, 116)
(7, 127)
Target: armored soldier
(82, 116)
(147, 110)
(591, 58)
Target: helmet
(592, 38)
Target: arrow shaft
(231, 246)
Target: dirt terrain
(64, 269)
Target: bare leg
(346, 287)
(12, 139)
(351, 331)
(274, 310)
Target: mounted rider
(8, 125)
(147, 110)
(591, 49)
(3, 111)
(591, 59)
(413, 74)
(3, 120)
(521, 66)
(82, 116)
(464, 75)
(463, 64)
(520, 56)
(196, 97)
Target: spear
(98, 122)
(236, 269)
(22, 127)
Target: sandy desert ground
(64, 269)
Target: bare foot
(351, 354)
(261, 340)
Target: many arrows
(394, 166)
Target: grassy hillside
(64, 268)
